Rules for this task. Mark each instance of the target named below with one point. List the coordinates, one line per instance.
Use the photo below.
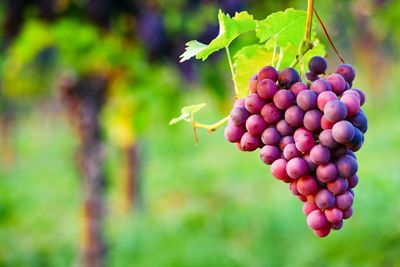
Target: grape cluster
(308, 133)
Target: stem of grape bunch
(209, 127)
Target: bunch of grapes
(308, 133)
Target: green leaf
(282, 28)
(187, 112)
(229, 29)
(248, 61)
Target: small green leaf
(180, 118)
(248, 61)
(282, 27)
(187, 112)
(229, 29)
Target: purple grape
(308, 207)
(322, 232)
(288, 77)
(325, 124)
(249, 142)
(284, 128)
(352, 104)
(306, 100)
(320, 86)
(357, 141)
(267, 89)
(311, 165)
(337, 226)
(359, 120)
(233, 133)
(343, 132)
(255, 125)
(339, 186)
(347, 71)
(294, 116)
(311, 76)
(253, 84)
(270, 113)
(307, 185)
(326, 139)
(239, 103)
(285, 141)
(347, 213)
(290, 151)
(344, 201)
(347, 166)
(271, 136)
(326, 173)
(283, 99)
(324, 199)
(318, 65)
(351, 154)
(268, 72)
(320, 154)
(293, 188)
(254, 103)
(239, 115)
(337, 83)
(362, 96)
(316, 220)
(304, 141)
(296, 168)
(297, 88)
(312, 120)
(278, 169)
(334, 215)
(269, 154)
(339, 151)
(335, 110)
(353, 181)
(324, 98)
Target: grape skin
(335, 111)
(347, 71)
(233, 133)
(324, 98)
(283, 99)
(268, 72)
(343, 132)
(269, 154)
(270, 113)
(294, 116)
(318, 65)
(271, 136)
(249, 142)
(288, 77)
(337, 83)
(312, 120)
(239, 115)
(254, 103)
(306, 100)
(255, 125)
(297, 88)
(267, 89)
(320, 86)
(325, 199)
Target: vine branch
(232, 71)
(209, 127)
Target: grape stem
(232, 71)
(209, 127)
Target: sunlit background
(168, 202)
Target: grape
(302, 198)
(239, 116)
(337, 83)
(337, 226)
(285, 141)
(347, 213)
(344, 201)
(308, 207)
(347, 166)
(352, 92)
(267, 89)
(284, 128)
(347, 71)
(324, 98)
(357, 141)
(362, 96)
(239, 103)
(352, 104)
(283, 99)
(294, 116)
(327, 173)
(322, 232)
(312, 120)
(268, 72)
(320, 154)
(311, 76)
(320, 86)
(306, 100)
(340, 151)
(288, 77)
(351, 154)
(293, 188)
(296, 167)
(290, 151)
(324, 199)
(307, 185)
(325, 124)
(304, 141)
(269, 154)
(278, 169)
(334, 215)
(343, 132)
(352, 181)
(316, 220)
(335, 110)
(255, 125)
(360, 121)
(233, 133)
(339, 186)
(271, 136)
(270, 113)
(300, 131)
(254, 103)
(249, 142)
(297, 88)
(318, 65)
(311, 165)
(326, 139)
(253, 84)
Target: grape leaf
(229, 29)
(247, 61)
(282, 27)
(187, 112)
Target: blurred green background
(204, 205)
